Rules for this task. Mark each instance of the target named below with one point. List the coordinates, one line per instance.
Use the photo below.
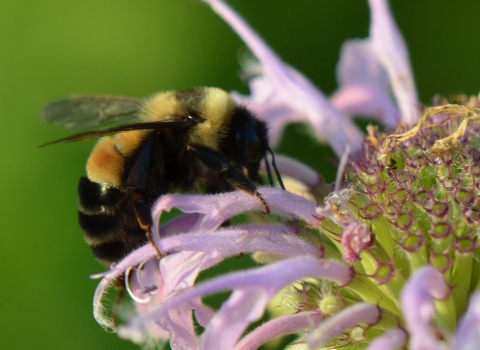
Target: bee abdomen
(109, 253)
(93, 198)
(99, 228)
(111, 233)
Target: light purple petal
(179, 323)
(360, 65)
(145, 286)
(180, 270)
(364, 100)
(364, 84)
(196, 252)
(388, 43)
(216, 209)
(342, 321)
(203, 314)
(417, 303)
(372, 69)
(468, 334)
(135, 335)
(232, 241)
(180, 224)
(280, 326)
(391, 340)
(292, 92)
(242, 308)
(271, 279)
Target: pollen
(105, 165)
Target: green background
(51, 49)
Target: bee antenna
(279, 178)
(269, 172)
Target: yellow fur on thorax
(217, 107)
(162, 106)
(107, 160)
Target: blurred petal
(390, 48)
(359, 65)
(364, 84)
(286, 91)
(468, 334)
(356, 237)
(364, 100)
(371, 70)
(280, 326)
(340, 322)
(391, 340)
(417, 303)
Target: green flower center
(418, 193)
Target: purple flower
(387, 259)
(281, 94)
(203, 246)
(424, 288)
(372, 69)
(369, 70)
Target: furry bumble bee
(176, 141)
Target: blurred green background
(51, 49)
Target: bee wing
(83, 112)
(163, 124)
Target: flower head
(386, 260)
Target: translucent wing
(83, 112)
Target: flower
(281, 94)
(387, 259)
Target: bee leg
(144, 217)
(232, 175)
(239, 181)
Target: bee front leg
(219, 165)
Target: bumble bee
(175, 141)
